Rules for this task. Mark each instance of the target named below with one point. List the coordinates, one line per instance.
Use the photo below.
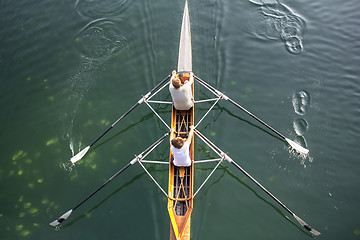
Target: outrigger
(181, 192)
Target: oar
(137, 158)
(293, 144)
(67, 214)
(82, 153)
(222, 154)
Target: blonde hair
(176, 82)
(178, 142)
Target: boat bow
(185, 52)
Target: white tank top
(181, 157)
(182, 97)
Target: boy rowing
(180, 147)
(183, 100)
(181, 93)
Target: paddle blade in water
(306, 226)
(61, 219)
(80, 155)
(297, 147)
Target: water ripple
(100, 8)
(276, 21)
(300, 126)
(100, 39)
(301, 102)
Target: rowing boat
(181, 192)
(181, 179)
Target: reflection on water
(276, 21)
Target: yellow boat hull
(181, 180)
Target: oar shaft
(136, 159)
(222, 154)
(218, 151)
(132, 108)
(239, 106)
(103, 185)
(118, 120)
(256, 118)
(121, 170)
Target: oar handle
(159, 84)
(212, 145)
(154, 144)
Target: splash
(71, 146)
(301, 102)
(68, 166)
(300, 126)
(97, 42)
(305, 159)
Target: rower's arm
(191, 79)
(191, 134)
(171, 135)
(172, 75)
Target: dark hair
(177, 142)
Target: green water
(69, 69)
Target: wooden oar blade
(80, 155)
(306, 226)
(61, 219)
(297, 147)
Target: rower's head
(176, 82)
(178, 142)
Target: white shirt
(182, 97)
(181, 156)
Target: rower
(180, 148)
(181, 93)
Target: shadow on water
(224, 169)
(137, 177)
(205, 150)
(134, 179)
(277, 209)
(223, 109)
(146, 117)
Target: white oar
(222, 154)
(139, 157)
(82, 153)
(293, 144)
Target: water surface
(69, 69)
